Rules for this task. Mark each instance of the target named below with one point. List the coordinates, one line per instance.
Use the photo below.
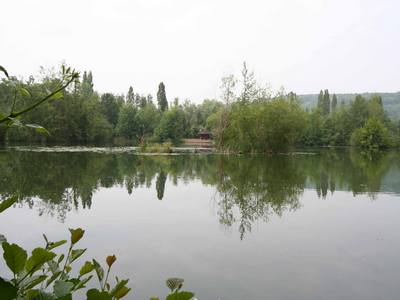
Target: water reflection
(248, 188)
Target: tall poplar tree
(320, 100)
(130, 97)
(326, 108)
(162, 97)
(334, 102)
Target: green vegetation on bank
(85, 116)
(247, 117)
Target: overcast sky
(303, 45)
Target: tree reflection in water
(249, 188)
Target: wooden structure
(205, 135)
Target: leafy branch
(68, 76)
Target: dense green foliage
(248, 118)
(373, 135)
(391, 101)
(351, 124)
(85, 116)
(255, 121)
(272, 125)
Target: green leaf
(94, 294)
(14, 256)
(180, 296)
(7, 290)
(2, 69)
(52, 245)
(99, 270)
(75, 254)
(62, 288)
(38, 128)
(122, 292)
(174, 283)
(7, 203)
(24, 92)
(86, 268)
(120, 289)
(57, 96)
(39, 257)
(60, 259)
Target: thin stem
(67, 258)
(14, 115)
(105, 282)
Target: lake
(322, 224)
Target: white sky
(303, 45)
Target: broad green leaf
(2, 69)
(38, 128)
(154, 298)
(122, 292)
(57, 96)
(75, 254)
(174, 283)
(33, 281)
(86, 268)
(94, 294)
(120, 289)
(7, 290)
(99, 270)
(14, 256)
(76, 235)
(62, 288)
(180, 296)
(52, 245)
(39, 257)
(7, 203)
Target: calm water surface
(320, 225)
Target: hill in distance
(391, 101)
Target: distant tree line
(255, 120)
(83, 116)
(246, 118)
